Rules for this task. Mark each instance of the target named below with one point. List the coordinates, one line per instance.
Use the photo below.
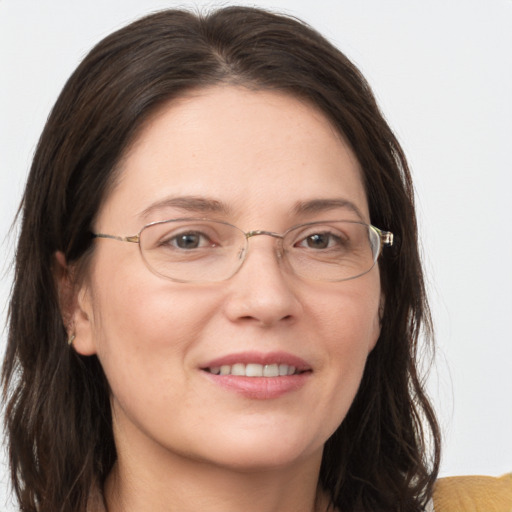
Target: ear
(75, 306)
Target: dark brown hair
(385, 454)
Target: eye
(189, 240)
(324, 240)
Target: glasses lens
(195, 250)
(332, 251)
(191, 250)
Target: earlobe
(75, 307)
(84, 342)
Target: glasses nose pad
(241, 253)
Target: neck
(192, 486)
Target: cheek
(349, 315)
(352, 336)
(348, 327)
(145, 337)
(143, 326)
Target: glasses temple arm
(134, 238)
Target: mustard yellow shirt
(473, 494)
(452, 494)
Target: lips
(259, 376)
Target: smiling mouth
(255, 370)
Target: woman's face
(258, 160)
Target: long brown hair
(385, 454)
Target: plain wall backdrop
(442, 72)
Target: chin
(261, 451)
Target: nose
(263, 291)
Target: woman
(249, 354)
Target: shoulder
(473, 494)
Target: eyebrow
(205, 205)
(323, 205)
(190, 204)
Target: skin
(184, 442)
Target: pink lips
(261, 388)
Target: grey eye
(188, 241)
(318, 241)
(321, 241)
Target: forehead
(256, 153)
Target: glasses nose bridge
(260, 232)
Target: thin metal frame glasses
(204, 250)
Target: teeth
(254, 370)
(271, 370)
(238, 369)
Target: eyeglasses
(203, 250)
